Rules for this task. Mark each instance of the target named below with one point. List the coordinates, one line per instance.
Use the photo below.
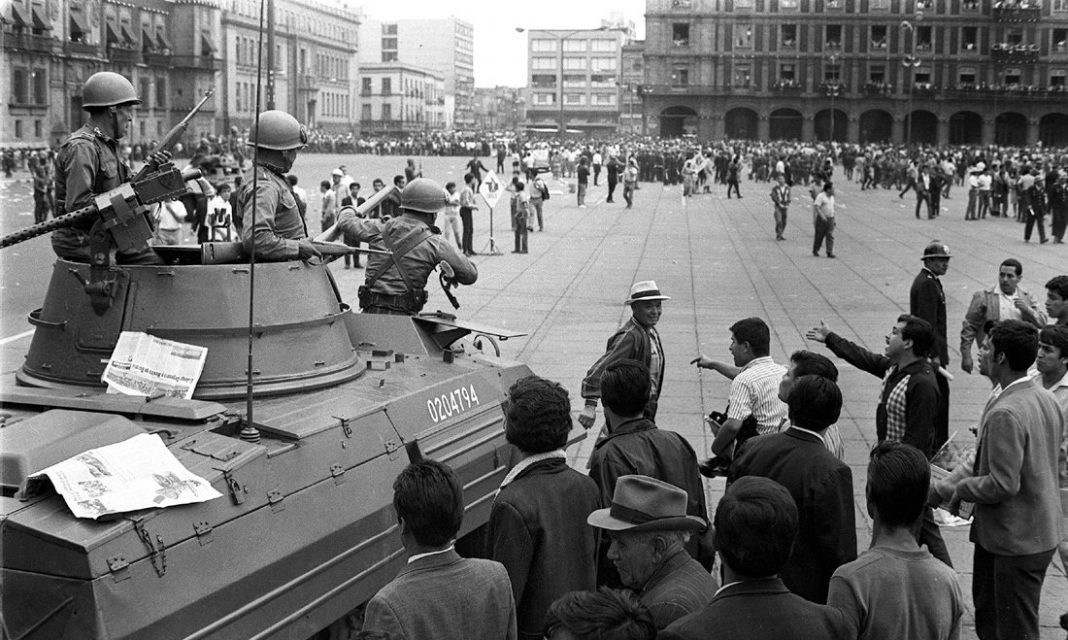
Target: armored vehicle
(305, 530)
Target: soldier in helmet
(90, 163)
(279, 232)
(396, 284)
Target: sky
(501, 52)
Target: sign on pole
(491, 189)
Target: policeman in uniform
(279, 232)
(396, 283)
(89, 164)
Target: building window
(542, 45)
(140, 128)
(924, 38)
(1014, 36)
(37, 129)
(601, 45)
(161, 92)
(20, 86)
(387, 87)
(966, 78)
(878, 5)
(788, 36)
(969, 5)
(145, 93)
(1060, 40)
(1057, 78)
(602, 64)
(681, 4)
(969, 39)
(387, 111)
(389, 43)
(575, 46)
(743, 35)
(922, 77)
(602, 80)
(834, 5)
(543, 63)
(878, 36)
(787, 72)
(365, 86)
(1060, 6)
(680, 34)
(18, 129)
(832, 73)
(604, 99)
(743, 4)
(790, 5)
(743, 76)
(389, 29)
(238, 103)
(365, 112)
(40, 86)
(545, 80)
(877, 74)
(1012, 76)
(680, 77)
(575, 63)
(574, 98)
(544, 98)
(832, 38)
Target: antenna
(249, 432)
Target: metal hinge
(237, 492)
(391, 448)
(157, 551)
(338, 473)
(345, 428)
(119, 568)
(204, 532)
(275, 498)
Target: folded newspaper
(139, 473)
(145, 365)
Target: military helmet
(936, 249)
(277, 130)
(108, 89)
(424, 196)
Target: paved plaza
(719, 261)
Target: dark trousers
(921, 198)
(1006, 591)
(733, 184)
(1060, 221)
(468, 230)
(824, 231)
(942, 419)
(611, 189)
(596, 174)
(780, 221)
(521, 234)
(1033, 218)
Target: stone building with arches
(921, 71)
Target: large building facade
(573, 79)
(400, 99)
(445, 46)
(315, 71)
(499, 108)
(168, 50)
(927, 71)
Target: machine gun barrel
(176, 133)
(333, 232)
(144, 196)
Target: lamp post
(910, 63)
(833, 89)
(560, 38)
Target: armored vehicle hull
(305, 531)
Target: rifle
(176, 133)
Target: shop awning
(18, 18)
(77, 26)
(110, 37)
(38, 21)
(128, 35)
(206, 47)
(164, 43)
(147, 41)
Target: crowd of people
(628, 550)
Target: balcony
(124, 55)
(82, 49)
(28, 42)
(1014, 91)
(787, 87)
(1009, 11)
(924, 90)
(204, 63)
(158, 58)
(1015, 53)
(878, 90)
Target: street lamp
(560, 38)
(833, 89)
(910, 63)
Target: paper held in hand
(139, 473)
(144, 365)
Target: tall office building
(573, 79)
(445, 46)
(945, 71)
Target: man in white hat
(649, 528)
(635, 340)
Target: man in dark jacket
(821, 485)
(908, 405)
(928, 301)
(635, 446)
(537, 527)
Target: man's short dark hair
(756, 523)
(450, 184)
(537, 415)
(428, 496)
(1055, 335)
(625, 387)
(898, 479)
(1017, 340)
(815, 403)
(1059, 285)
(607, 614)
(810, 363)
(325, 184)
(1014, 263)
(292, 179)
(920, 332)
(754, 331)
(397, 179)
(468, 177)
(828, 186)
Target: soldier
(89, 163)
(396, 284)
(279, 232)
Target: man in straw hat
(635, 340)
(649, 528)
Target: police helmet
(424, 196)
(935, 250)
(108, 89)
(277, 130)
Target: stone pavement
(719, 261)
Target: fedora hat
(645, 290)
(641, 503)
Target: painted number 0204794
(453, 403)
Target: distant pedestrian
(823, 220)
(780, 197)
(583, 182)
(521, 218)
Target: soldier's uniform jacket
(418, 263)
(279, 226)
(87, 165)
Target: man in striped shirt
(754, 390)
(908, 402)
